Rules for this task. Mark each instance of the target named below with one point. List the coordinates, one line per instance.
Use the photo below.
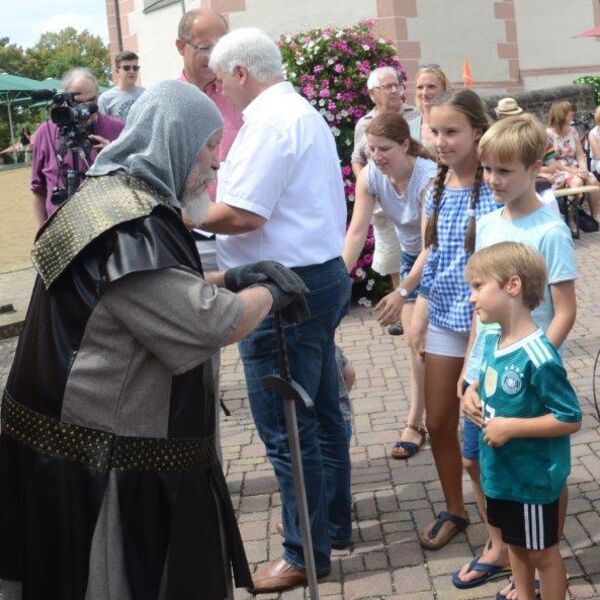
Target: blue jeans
(325, 447)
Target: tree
(56, 53)
(11, 57)
(52, 56)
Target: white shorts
(446, 342)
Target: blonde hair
(520, 138)
(597, 116)
(436, 71)
(468, 103)
(557, 115)
(507, 259)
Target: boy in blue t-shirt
(528, 410)
(510, 153)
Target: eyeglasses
(198, 48)
(389, 87)
(128, 68)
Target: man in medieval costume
(109, 484)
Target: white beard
(194, 208)
(195, 205)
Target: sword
(291, 393)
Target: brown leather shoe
(277, 576)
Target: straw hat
(507, 107)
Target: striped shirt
(443, 280)
(404, 210)
(525, 380)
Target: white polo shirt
(283, 166)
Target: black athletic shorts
(531, 526)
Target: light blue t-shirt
(550, 236)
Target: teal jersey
(549, 235)
(525, 380)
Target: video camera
(71, 118)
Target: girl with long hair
(442, 315)
(397, 175)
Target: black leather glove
(239, 278)
(285, 286)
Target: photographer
(50, 162)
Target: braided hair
(469, 104)
(437, 190)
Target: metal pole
(12, 132)
(118, 24)
(291, 422)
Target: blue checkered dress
(443, 280)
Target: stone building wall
(582, 98)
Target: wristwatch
(402, 291)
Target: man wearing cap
(507, 107)
(109, 484)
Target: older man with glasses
(119, 99)
(198, 32)
(386, 91)
(46, 174)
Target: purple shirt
(232, 118)
(44, 168)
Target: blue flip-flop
(500, 596)
(489, 571)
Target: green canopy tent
(15, 89)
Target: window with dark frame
(152, 5)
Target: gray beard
(194, 208)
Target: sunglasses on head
(428, 66)
(130, 68)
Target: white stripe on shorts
(534, 526)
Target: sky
(23, 22)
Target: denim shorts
(406, 264)
(471, 431)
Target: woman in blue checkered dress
(442, 315)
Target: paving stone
(367, 585)
(589, 559)
(255, 503)
(405, 553)
(392, 499)
(412, 579)
(375, 561)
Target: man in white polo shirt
(280, 196)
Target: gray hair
(375, 74)
(251, 48)
(78, 73)
(184, 31)
(166, 128)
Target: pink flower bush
(329, 67)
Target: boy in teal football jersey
(529, 410)
(510, 153)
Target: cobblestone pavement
(392, 498)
